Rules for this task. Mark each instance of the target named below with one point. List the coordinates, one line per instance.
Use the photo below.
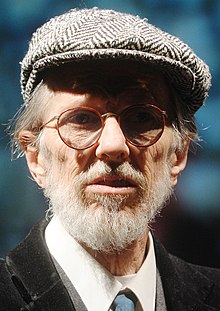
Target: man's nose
(112, 144)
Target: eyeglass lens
(81, 127)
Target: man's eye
(80, 118)
(142, 117)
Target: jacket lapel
(35, 276)
(185, 287)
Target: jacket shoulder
(187, 285)
(196, 271)
(211, 273)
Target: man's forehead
(114, 76)
(120, 82)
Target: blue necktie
(124, 302)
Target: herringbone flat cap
(93, 34)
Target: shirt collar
(96, 286)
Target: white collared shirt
(91, 280)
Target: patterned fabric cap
(93, 34)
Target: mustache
(104, 170)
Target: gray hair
(29, 117)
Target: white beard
(107, 222)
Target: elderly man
(108, 116)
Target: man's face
(107, 195)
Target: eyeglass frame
(103, 118)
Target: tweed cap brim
(93, 34)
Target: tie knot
(124, 302)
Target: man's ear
(35, 161)
(178, 161)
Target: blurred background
(190, 226)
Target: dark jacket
(29, 280)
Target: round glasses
(81, 127)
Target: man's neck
(125, 262)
